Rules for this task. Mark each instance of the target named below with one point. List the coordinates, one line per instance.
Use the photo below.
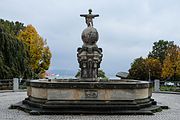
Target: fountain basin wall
(74, 90)
(88, 97)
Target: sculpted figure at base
(89, 61)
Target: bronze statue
(89, 18)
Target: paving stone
(8, 98)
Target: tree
(45, 61)
(13, 53)
(159, 49)
(138, 70)
(78, 74)
(23, 53)
(162, 62)
(171, 63)
(141, 69)
(154, 68)
(10, 27)
(101, 74)
(39, 52)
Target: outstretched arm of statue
(83, 15)
(96, 15)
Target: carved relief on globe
(90, 36)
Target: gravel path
(8, 98)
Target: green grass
(23, 86)
(170, 88)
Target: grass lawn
(170, 88)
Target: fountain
(88, 94)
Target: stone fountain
(88, 94)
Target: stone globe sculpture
(90, 36)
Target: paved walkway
(8, 98)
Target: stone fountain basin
(74, 96)
(73, 89)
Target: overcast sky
(127, 28)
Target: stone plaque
(91, 93)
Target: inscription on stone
(91, 93)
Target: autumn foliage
(163, 62)
(23, 52)
(171, 63)
(141, 68)
(39, 53)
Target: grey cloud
(127, 28)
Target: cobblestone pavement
(8, 98)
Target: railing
(14, 84)
(173, 86)
(6, 84)
(170, 86)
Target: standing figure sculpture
(89, 18)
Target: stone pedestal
(156, 85)
(89, 61)
(89, 56)
(15, 84)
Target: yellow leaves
(154, 65)
(28, 35)
(162, 62)
(152, 62)
(35, 43)
(171, 63)
(141, 68)
(178, 65)
(37, 49)
(167, 70)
